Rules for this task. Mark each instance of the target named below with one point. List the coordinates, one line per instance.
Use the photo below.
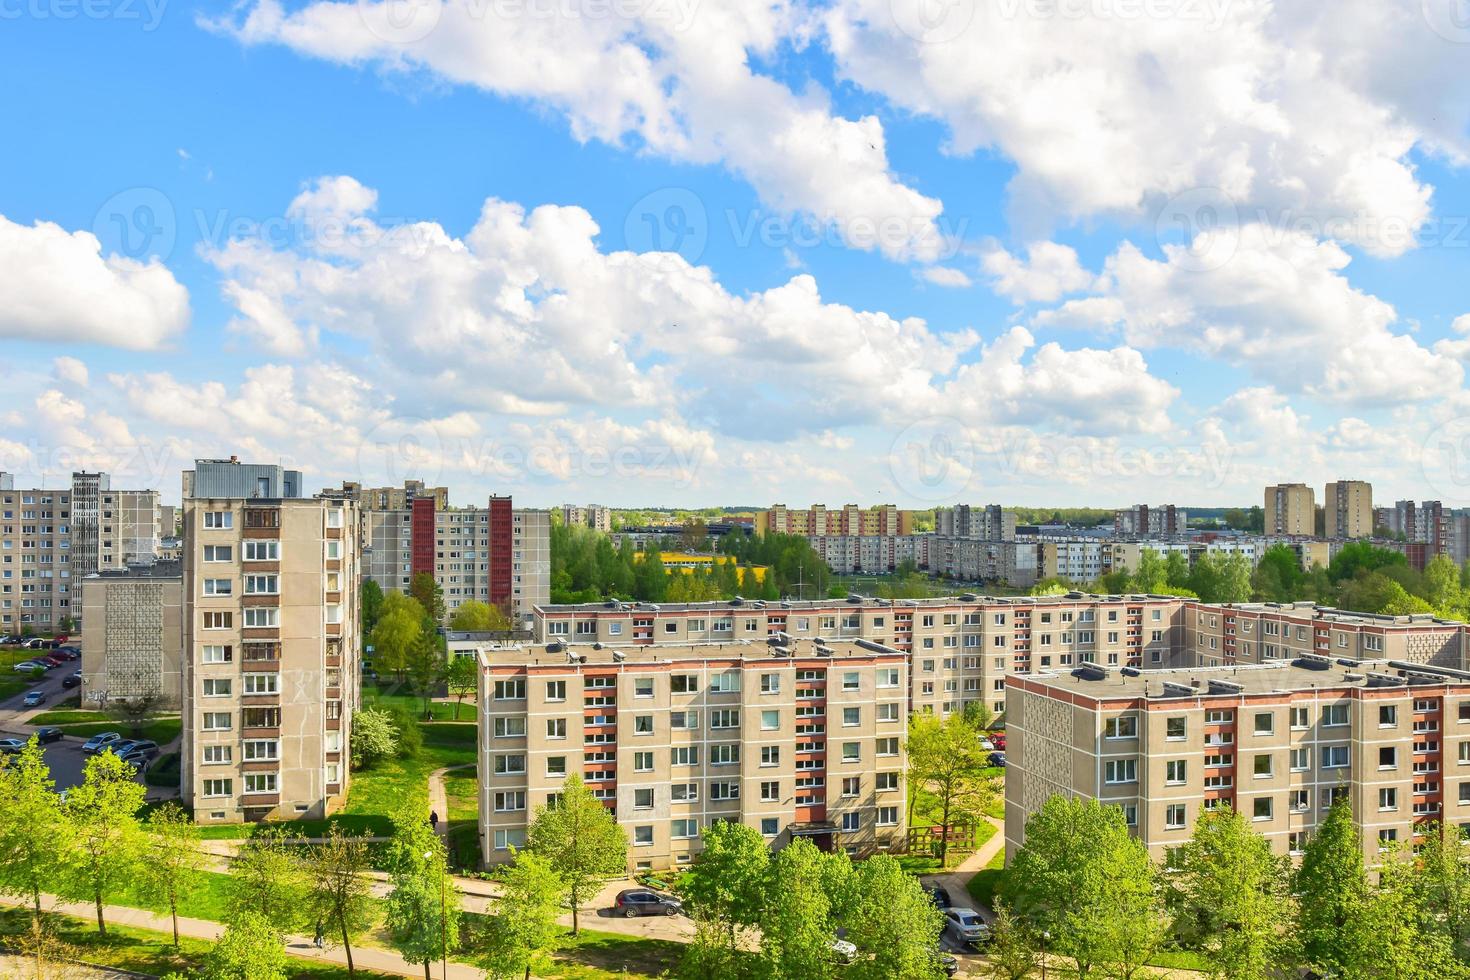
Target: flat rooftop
(860, 602)
(607, 654)
(1333, 615)
(162, 568)
(1304, 673)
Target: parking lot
(64, 757)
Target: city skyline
(937, 289)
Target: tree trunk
(347, 947)
(944, 831)
(173, 908)
(101, 925)
(426, 970)
(575, 904)
(37, 896)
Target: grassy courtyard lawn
(13, 684)
(390, 695)
(164, 772)
(461, 789)
(160, 730)
(147, 952)
(377, 793)
(983, 886)
(594, 955)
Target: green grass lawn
(160, 730)
(462, 788)
(164, 772)
(12, 684)
(147, 952)
(983, 886)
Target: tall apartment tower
(989, 523)
(270, 652)
(1291, 509)
(1348, 507)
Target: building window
(1124, 726)
(643, 724)
(1261, 808)
(262, 750)
(770, 827)
(684, 829)
(262, 617)
(216, 654)
(1334, 715)
(511, 690)
(643, 762)
(260, 782)
(770, 792)
(219, 620)
(684, 683)
(555, 690)
(1261, 765)
(216, 687)
(885, 781)
(506, 839)
(218, 586)
(1388, 757)
(1175, 729)
(1265, 723)
(888, 712)
(851, 751)
(510, 765)
(852, 822)
(511, 727)
(1174, 772)
(770, 683)
(770, 721)
(218, 520)
(220, 755)
(1120, 771)
(262, 683)
(1388, 798)
(1299, 718)
(218, 552)
(1388, 716)
(851, 717)
(1174, 816)
(555, 727)
(643, 798)
(217, 787)
(217, 721)
(770, 755)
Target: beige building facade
(1348, 509)
(1278, 743)
(270, 679)
(791, 737)
(132, 633)
(1290, 508)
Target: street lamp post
(1045, 938)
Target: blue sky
(838, 252)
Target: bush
(410, 735)
(374, 737)
(164, 772)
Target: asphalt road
(65, 757)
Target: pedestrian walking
(434, 819)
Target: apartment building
(595, 516)
(882, 520)
(1074, 560)
(51, 539)
(133, 632)
(1291, 509)
(1264, 632)
(1013, 563)
(990, 522)
(873, 554)
(1348, 509)
(960, 647)
(794, 737)
(1145, 521)
(1278, 742)
(496, 554)
(270, 651)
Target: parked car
(998, 739)
(142, 745)
(997, 759)
(137, 758)
(939, 896)
(119, 747)
(965, 926)
(34, 643)
(11, 746)
(34, 698)
(70, 648)
(72, 680)
(986, 745)
(26, 666)
(638, 901)
(48, 734)
(53, 660)
(846, 951)
(97, 742)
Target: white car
(966, 926)
(846, 951)
(986, 745)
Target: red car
(998, 739)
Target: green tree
(1440, 884)
(250, 949)
(1442, 586)
(172, 858)
(523, 930)
(978, 715)
(796, 919)
(1234, 896)
(107, 841)
(474, 616)
(370, 604)
(1084, 879)
(340, 892)
(430, 596)
(893, 924)
(1384, 940)
(582, 841)
(463, 679)
(266, 878)
(425, 668)
(1152, 573)
(1014, 952)
(397, 631)
(726, 884)
(374, 737)
(945, 758)
(34, 839)
(1332, 888)
(1278, 576)
(1358, 557)
(423, 911)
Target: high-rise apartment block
(1348, 509)
(1290, 509)
(595, 516)
(1141, 520)
(988, 523)
(882, 520)
(51, 539)
(496, 554)
(132, 633)
(1277, 742)
(270, 652)
(796, 738)
(1426, 522)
